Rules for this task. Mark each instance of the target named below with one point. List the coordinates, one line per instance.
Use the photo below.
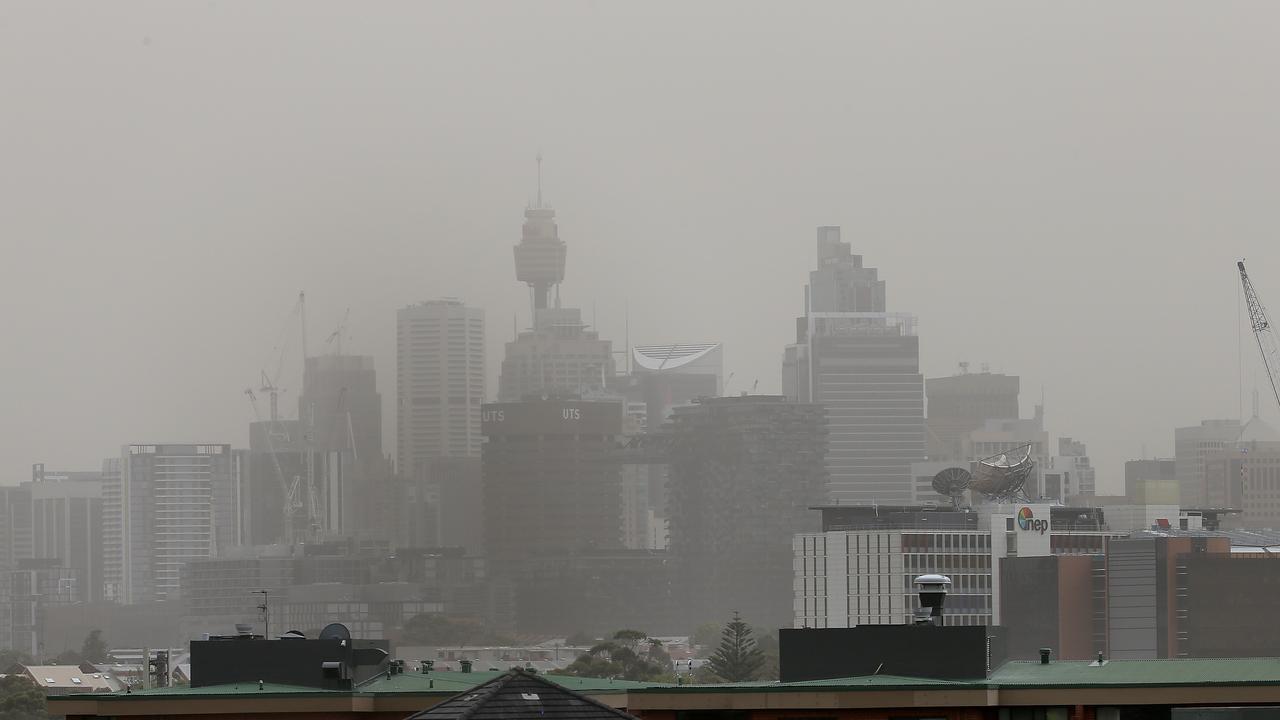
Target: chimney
(933, 594)
(1044, 655)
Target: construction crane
(269, 384)
(289, 491)
(334, 341)
(1268, 346)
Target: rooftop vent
(1044, 655)
(933, 594)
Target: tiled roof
(518, 695)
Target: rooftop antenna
(266, 617)
(539, 179)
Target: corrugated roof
(518, 695)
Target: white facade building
(440, 383)
(162, 511)
(859, 570)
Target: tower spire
(539, 178)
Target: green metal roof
(439, 683)
(1012, 675)
(268, 689)
(1179, 671)
(1031, 674)
(868, 681)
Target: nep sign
(1028, 522)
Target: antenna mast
(1268, 346)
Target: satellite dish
(335, 631)
(1002, 476)
(952, 482)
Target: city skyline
(1051, 243)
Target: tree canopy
(737, 658)
(627, 654)
(94, 649)
(21, 699)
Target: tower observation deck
(540, 255)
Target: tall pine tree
(737, 659)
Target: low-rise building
(858, 569)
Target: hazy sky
(1060, 190)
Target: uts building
(552, 483)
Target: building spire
(539, 178)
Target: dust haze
(1057, 190)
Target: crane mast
(1268, 345)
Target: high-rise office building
(1151, 482)
(1191, 447)
(560, 355)
(552, 480)
(160, 511)
(440, 383)
(340, 407)
(15, 524)
(340, 413)
(66, 523)
(112, 530)
(960, 404)
(744, 474)
(863, 365)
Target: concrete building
(744, 473)
(1191, 448)
(962, 403)
(552, 483)
(341, 408)
(440, 383)
(276, 462)
(66, 524)
(858, 570)
(1077, 475)
(560, 355)
(15, 524)
(340, 412)
(160, 513)
(863, 364)
(1152, 482)
(1054, 601)
(31, 589)
(443, 506)
(1245, 477)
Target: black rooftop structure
(520, 695)
(942, 517)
